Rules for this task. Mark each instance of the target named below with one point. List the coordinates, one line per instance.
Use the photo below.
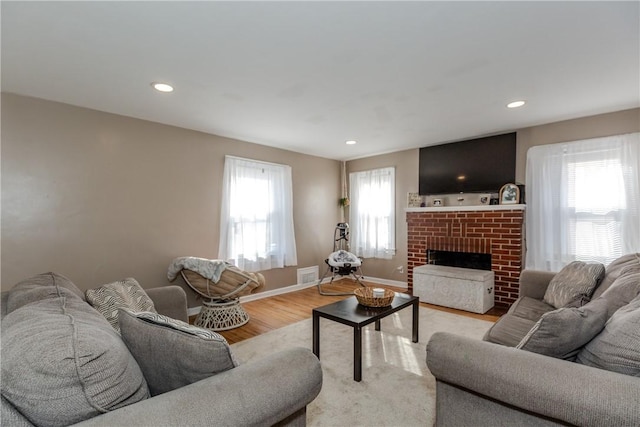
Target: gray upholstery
(499, 383)
(511, 328)
(617, 348)
(563, 332)
(489, 382)
(629, 263)
(574, 284)
(272, 391)
(254, 394)
(171, 358)
(62, 352)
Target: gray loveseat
(40, 385)
(493, 382)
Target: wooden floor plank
(275, 312)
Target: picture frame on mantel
(509, 194)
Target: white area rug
(396, 389)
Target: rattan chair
(221, 309)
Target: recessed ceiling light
(515, 104)
(162, 87)
(350, 142)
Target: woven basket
(365, 297)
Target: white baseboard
(192, 311)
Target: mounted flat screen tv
(481, 165)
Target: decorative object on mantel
(414, 200)
(438, 202)
(509, 194)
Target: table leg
(416, 317)
(316, 335)
(357, 353)
(377, 325)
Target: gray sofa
(272, 391)
(497, 382)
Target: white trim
(254, 297)
(519, 207)
(194, 311)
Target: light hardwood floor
(277, 311)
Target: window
(372, 213)
(256, 221)
(584, 201)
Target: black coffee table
(350, 312)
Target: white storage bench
(462, 288)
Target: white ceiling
(306, 76)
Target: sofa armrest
(261, 393)
(170, 301)
(534, 283)
(554, 388)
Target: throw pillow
(563, 332)
(172, 353)
(63, 363)
(617, 347)
(574, 284)
(127, 293)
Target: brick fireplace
(495, 230)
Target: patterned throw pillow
(172, 353)
(126, 293)
(574, 284)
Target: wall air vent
(308, 275)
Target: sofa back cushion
(63, 363)
(617, 347)
(574, 284)
(623, 290)
(36, 288)
(173, 353)
(629, 263)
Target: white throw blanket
(210, 268)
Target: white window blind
(256, 221)
(372, 213)
(584, 200)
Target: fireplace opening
(474, 260)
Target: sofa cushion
(617, 347)
(172, 353)
(530, 308)
(562, 333)
(126, 293)
(574, 284)
(629, 263)
(517, 322)
(42, 286)
(623, 290)
(63, 363)
(509, 330)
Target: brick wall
(497, 231)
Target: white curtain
(256, 220)
(583, 201)
(372, 213)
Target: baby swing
(341, 262)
